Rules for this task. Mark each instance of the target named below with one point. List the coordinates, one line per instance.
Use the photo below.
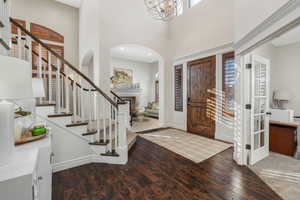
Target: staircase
(73, 102)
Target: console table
(28, 176)
(283, 137)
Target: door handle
(268, 113)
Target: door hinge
(248, 146)
(248, 106)
(249, 66)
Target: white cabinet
(29, 174)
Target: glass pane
(256, 141)
(259, 105)
(259, 140)
(260, 79)
(262, 139)
(259, 123)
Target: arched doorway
(137, 76)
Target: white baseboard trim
(72, 163)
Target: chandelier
(164, 9)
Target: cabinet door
(44, 174)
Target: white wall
(250, 13)
(207, 25)
(143, 74)
(61, 18)
(89, 35)
(285, 73)
(202, 31)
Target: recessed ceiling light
(122, 48)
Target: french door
(260, 83)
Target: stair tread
(77, 124)
(100, 143)
(112, 154)
(45, 104)
(93, 132)
(61, 115)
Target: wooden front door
(201, 78)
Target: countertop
(23, 161)
(292, 124)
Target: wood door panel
(201, 78)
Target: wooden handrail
(65, 62)
(115, 95)
(54, 67)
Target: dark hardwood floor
(156, 173)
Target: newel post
(122, 124)
(122, 118)
(125, 108)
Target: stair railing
(4, 27)
(73, 93)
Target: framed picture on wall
(122, 77)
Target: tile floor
(281, 173)
(149, 123)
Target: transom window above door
(192, 3)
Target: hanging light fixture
(164, 9)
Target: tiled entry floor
(281, 173)
(149, 123)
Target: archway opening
(137, 77)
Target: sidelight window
(228, 79)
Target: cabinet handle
(40, 178)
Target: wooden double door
(201, 78)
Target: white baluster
(82, 103)
(110, 127)
(74, 118)
(49, 77)
(67, 89)
(97, 110)
(40, 61)
(104, 118)
(19, 41)
(116, 128)
(90, 106)
(63, 104)
(79, 103)
(58, 88)
(29, 54)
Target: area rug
(190, 146)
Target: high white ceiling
(134, 52)
(290, 37)
(73, 3)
